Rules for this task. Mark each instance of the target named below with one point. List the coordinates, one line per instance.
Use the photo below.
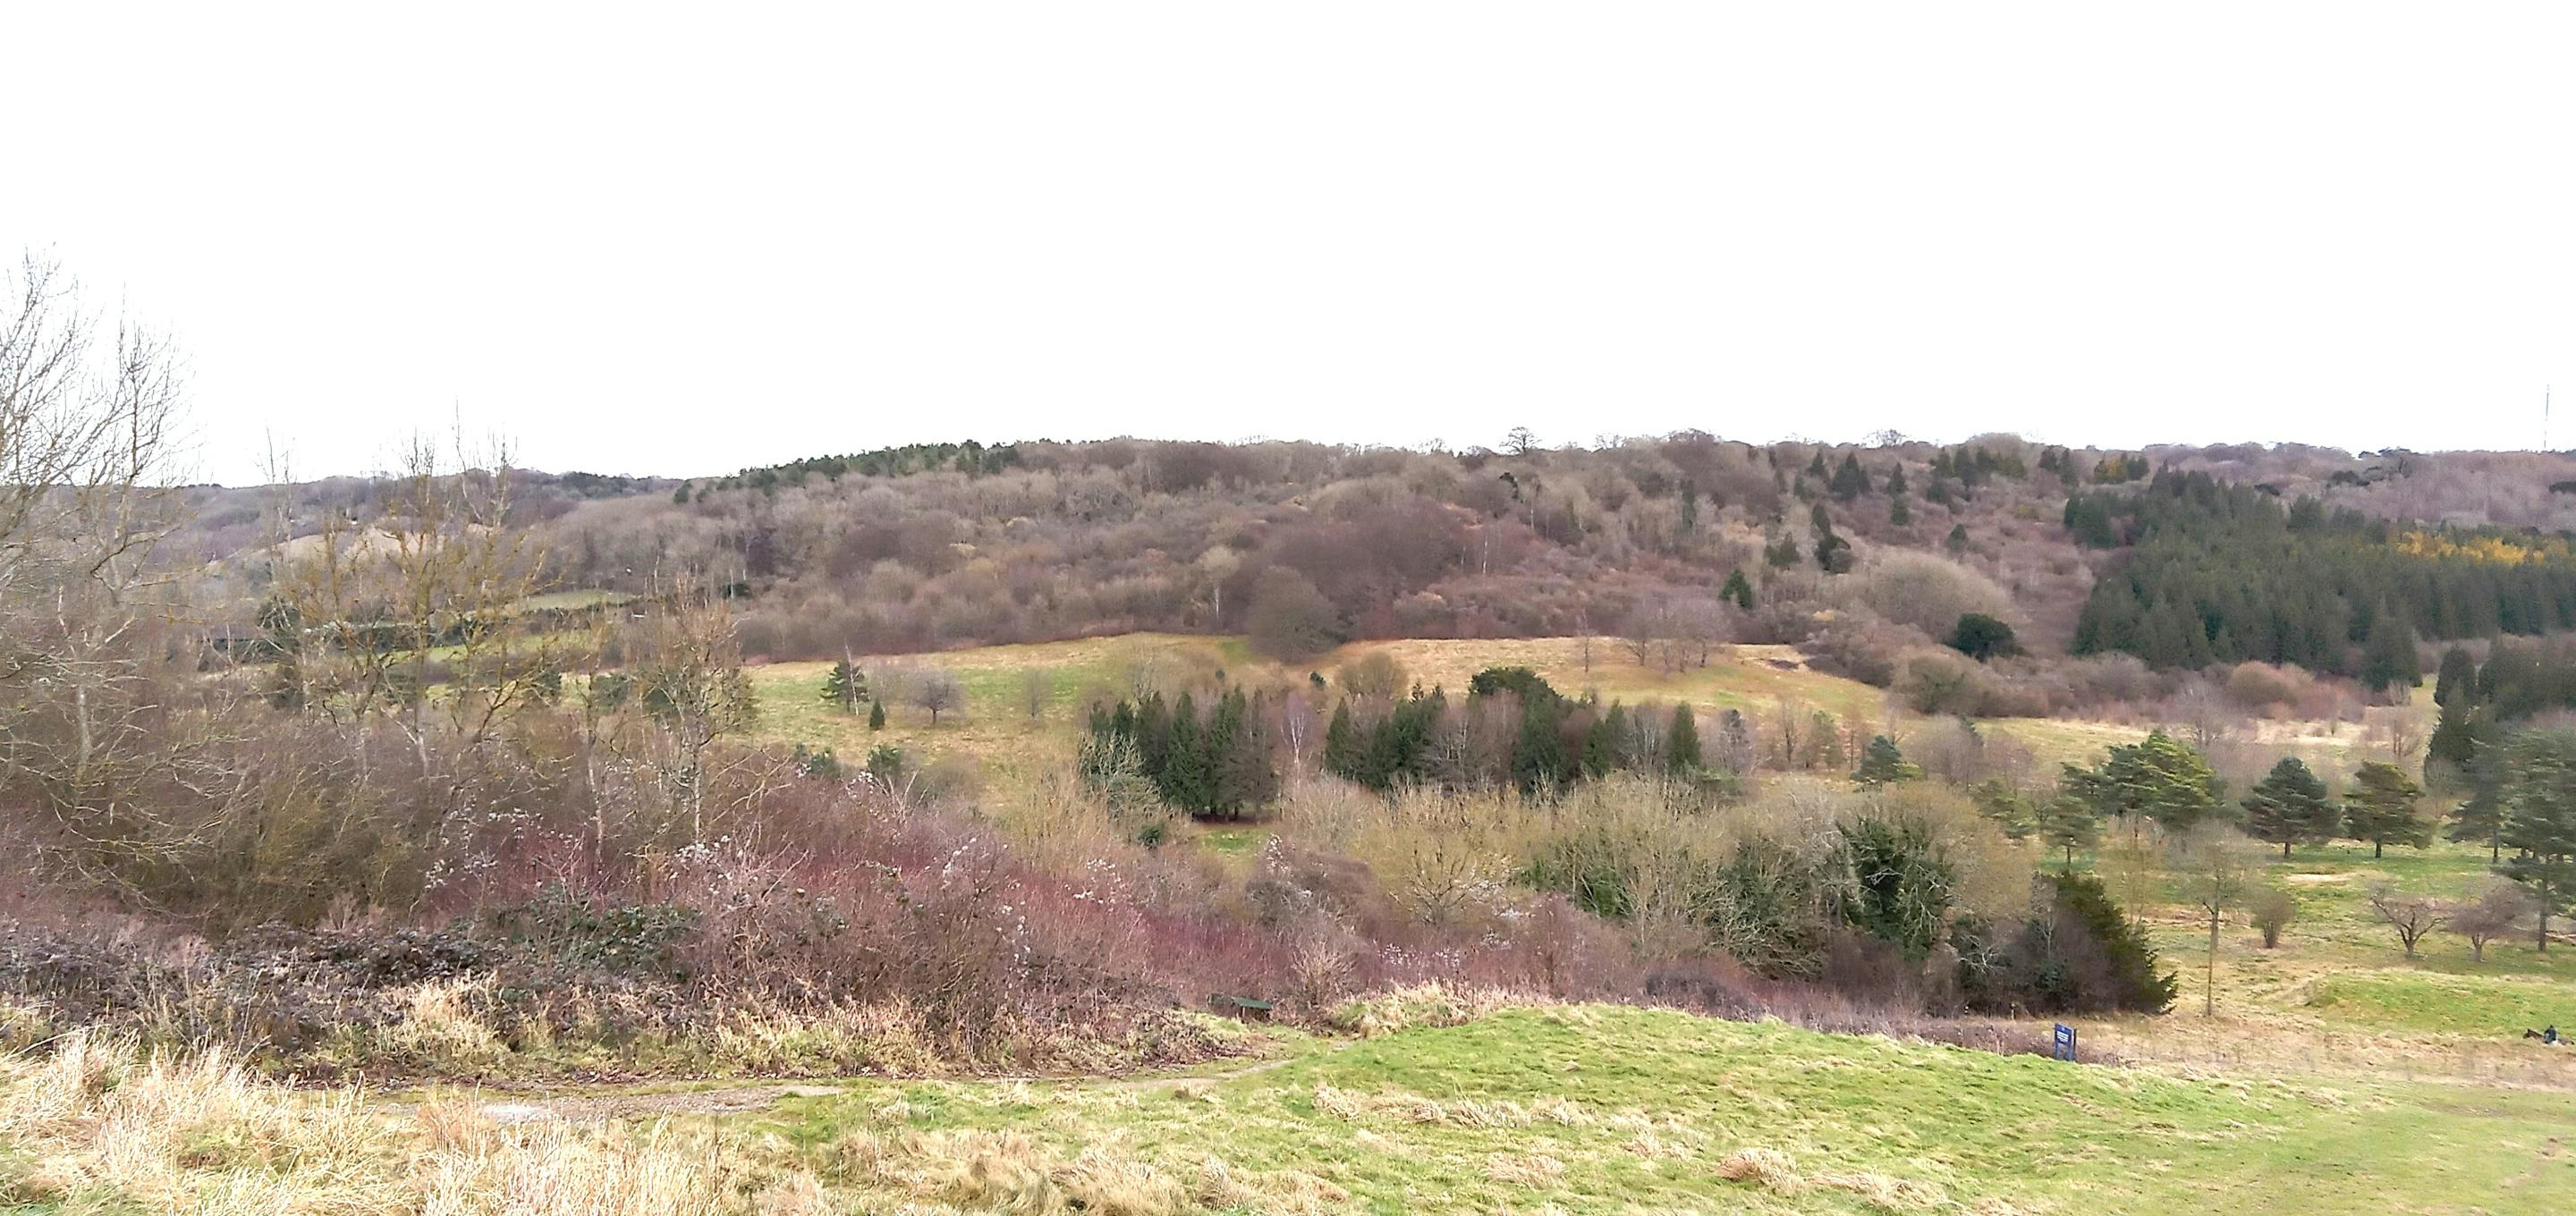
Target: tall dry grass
(101, 1122)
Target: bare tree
(938, 691)
(2218, 868)
(2495, 912)
(88, 437)
(2412, 916)
(1037, 687)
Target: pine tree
(1883, 763)
(2380, 808)
(2388, 656)
(876, 715)
(1958, 542)
(1601, 743)
(1782, 552)
(1681, 743)
(2068, 823)
(2158, 778)
(1896, 481)
(2289, 806)
(2540, 819)
(1850, 481)
(1740, 589)
(1185, 777)
(1342, 744)
(2458, 680)
(1898, 513)
(845, 686)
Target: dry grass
(101, 1122)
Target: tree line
(2213, 572)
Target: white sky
(682, 240)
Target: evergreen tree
(1850, 481)
(2389, 656)
(1601, 743)
(2289, 806)
(1958, 541)
(1883, 763)
(1740, 589)
(1539, 762)
(2540, 818)
(1782, 552)
(876, 715)
(2158, 778)
(845, 686)
(2479, 818)
(1690, 507)
(1820, 519)
(2458, 680)
(1342, 744)
(2068, 822)
(1816, 467)
(2459, 731)
(2380, 808)
(1898, 513)
(1185, 776)
(2129, 955)
(1982, 637)
(1896, 480)
(1681, 743)
(1246, 776)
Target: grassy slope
(1656, 1103)
(995, 726)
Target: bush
(2273, 910)
(1290, 620)
(1982, 637)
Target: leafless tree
(936, 692)
(88, 446)
(1037, 687)
(2412, 916)
(2495, 912)
(2217, 866)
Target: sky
(679, 240)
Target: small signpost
(2064, 1047)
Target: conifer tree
(845, 686)
(1740, 589)
(1958, 541)
(2068, 822)
(2388, 656)
(2540, 819)
(2289, 806)
(2458, 679)
(1681, 743)
(1898, 513)
(876, 715)
(1342, 744)
(1850, 481)
(1883, 763)
(2380, 808)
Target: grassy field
(995, 724)
(1567, 1109)
(1606, 1109)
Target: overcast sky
(682, 240)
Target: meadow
(1444, 1104)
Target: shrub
(2273, 909)
(1983, 637)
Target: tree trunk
(2209, 978)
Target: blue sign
(2064, 1047)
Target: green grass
(2495, 1006)
(1609, 1109)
